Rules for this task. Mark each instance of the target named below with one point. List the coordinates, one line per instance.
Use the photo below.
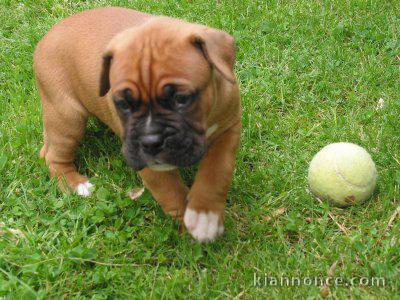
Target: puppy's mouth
(172, 155)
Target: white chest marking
(162, 168)
(211, 130)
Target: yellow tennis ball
(343, 174)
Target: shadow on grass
(99, 143)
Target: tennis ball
(342, 173)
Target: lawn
(311, 72)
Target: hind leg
(64, 123)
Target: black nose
(152, 143)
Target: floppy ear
(119, 41)
(105, 74)
(218, 48)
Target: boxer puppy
(164, 86)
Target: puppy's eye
(182, 100)
(122, 104)
(176, 99)
(125, 101)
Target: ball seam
(346, 180)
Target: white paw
(84, 189)
(203, 226)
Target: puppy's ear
(218, 48)
(119, 41)
(105, 74)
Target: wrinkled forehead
(157, 57)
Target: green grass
(311, 73)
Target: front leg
(204, 215)
(168, 189)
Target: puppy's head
(160, 76)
